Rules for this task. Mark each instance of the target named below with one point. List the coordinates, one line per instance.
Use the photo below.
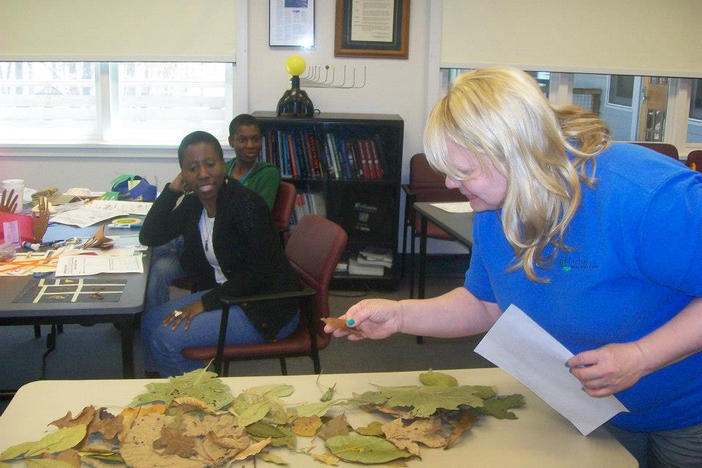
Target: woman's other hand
(375, 318)
(609, 369)
(178, 184)
(184, 314)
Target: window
(694, 121)
(621, 90)
(113, 103)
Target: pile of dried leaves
(194, 421)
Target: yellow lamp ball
(295, 65)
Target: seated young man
(246, 139)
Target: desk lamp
(295, 102)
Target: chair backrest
(283, 205)
(663, 148)
(314, 248)
(427, 184)
(694, 160)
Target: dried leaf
(63, 439)
(69, 456)
(130, 414)
(307, 426)
(329, 394)
(105, 423)
(463, 421)
(364, 449)
(254, 411)
(191, 403)
(174, 442)
(201, 384)
(340, 324)
(499, 406)
(327, 458)
(272, 390)
(84, 418)
(238, 443)
(316, 409)
(424, 401)
(252, 449)
(406, 437)
(373, 429)
(437, 379)
(271, 458)
(334, 427)
(46, 463)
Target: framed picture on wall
(372, 28)
(291, 23)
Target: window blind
(631, 37)
(118, 30)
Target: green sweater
(263, 178)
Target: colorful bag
(133, 187)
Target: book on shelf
(356, 268)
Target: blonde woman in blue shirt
(599, 243)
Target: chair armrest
(408, 190)
(230, 300)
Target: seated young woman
(230, 246)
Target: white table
(539, 438)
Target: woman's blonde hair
(501, 115)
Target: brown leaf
(175, 443)
(461, 423)
(69, 456)
(306, 426)
(238, 443)
(340, 324)
(334, 427)
(85, 416)
(253, 449)
(327, 458)
(425, 431)
(106, 424)
(130, 414)
(189, 403)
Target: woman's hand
(184, 314)
(609, 369)
(178, 184)
(375, 318)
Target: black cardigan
(245, 242)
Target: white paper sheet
(454, 207)
(126, 207)
(85, 216)
(521, 347)
(81, 265)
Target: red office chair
(313, 249)
(425, 185)
(694, 160)
(283, 209)
(663, 148)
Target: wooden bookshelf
(346, 167)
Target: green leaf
(47, 463)
(315, 409)
(264, 431)
(424, 401)
(200, 383)
(437, 379)
(499, 406)
(329, 394)
(364, 449)
(58, 441)
(272, 390)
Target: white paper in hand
(521, 347)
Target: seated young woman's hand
(374, 318)
(184, 314)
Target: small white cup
(18, 186)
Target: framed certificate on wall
(291, 23)
(372, 28)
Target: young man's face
(247, 143)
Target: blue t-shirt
(636, 262)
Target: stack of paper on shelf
(356, 268)
(375, 256)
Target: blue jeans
(162, 346)
(165, 268)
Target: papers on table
(455, 207)
(125, 207)
(92, 263)
(86, 216)
(521, 347)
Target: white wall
(392, 87)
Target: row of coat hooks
(329, 76)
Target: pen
(124, 226)
(49, 243)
